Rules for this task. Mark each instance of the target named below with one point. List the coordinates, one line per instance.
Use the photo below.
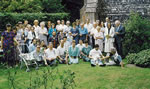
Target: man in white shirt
(66, 43)
(96, 57)
(88, 25)
(50, 55)
(80, 46)
(62, 54)
(59, 26)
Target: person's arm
(15, 41)
(44, 58)
(2, 38)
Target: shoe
(93, 65)
(103, 65)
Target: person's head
(98, 28)
(113, 50)
(38, 42)
(34, 41)
(62, 22)
(117, 23)
(96, 47)
(50, 45)
(65, 39)
(38, 48)
(94, 24)
(109, 25)
(45, 47)
(107, 19)
(82, 25)
(98, 22)
(8, 27)
(42, 42)
(74, 24)
(88, 21)
(102, 24)
(70, 33)
(86, 43)
(14, 29)
(29, 27)
(42, 24)
(49, 23)
(20, 24)
(58, 22)
(32, 29)
(62, 43)
(53, 25)
(73, 43)
(80, 42)
(54, 33)
(36, 22)
(25, 22)
(68, 23)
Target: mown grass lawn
(87, 77)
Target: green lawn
(87, 77)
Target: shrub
(13, 18)
(140, 59)
(137, 36)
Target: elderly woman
(8, 40)
(43, 32)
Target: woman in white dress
(98, 36)
(109, 38)
(43, 32)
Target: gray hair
(42, 23)
(117, 22)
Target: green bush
(137, 36)
(140, 59)
(13, 18)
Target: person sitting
(50, 55)
(96, 57)
(38, 55)
(54, 40)
(73, 53)
(62, 54)
(80, 46)
(70, 38)
(85, 52)
(32, 46)
(66, 43)
(115, 57)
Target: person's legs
(93, 62)
(75, 60)
(100, 63)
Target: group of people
(64, 43)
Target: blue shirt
(51, 30)
(83, 31)
(32, 47)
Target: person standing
(7, 44)
(43, 32)
(119, 35)
(75, 33)
(109, 38)
(83, 32)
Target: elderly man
(119, 35)
(50, 55)
(62, 54)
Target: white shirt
(88, 26)
(80, 46)
(30, 35)
(36, 30)
(60, 50)
(59, 27)
(95, 53)
(93, 30)
(66, 45)
(51, 53)
(98, 34)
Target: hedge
(13, 18)
(141, 59)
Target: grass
(87, 77)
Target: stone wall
(116, 9)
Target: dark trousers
(118, 45)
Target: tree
(52, 6)
(20, 6)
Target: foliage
(20, 6)
(44, 80)
(141, 59)
(137, 36)
(31, 6)
(13, 18)
(52, 6)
